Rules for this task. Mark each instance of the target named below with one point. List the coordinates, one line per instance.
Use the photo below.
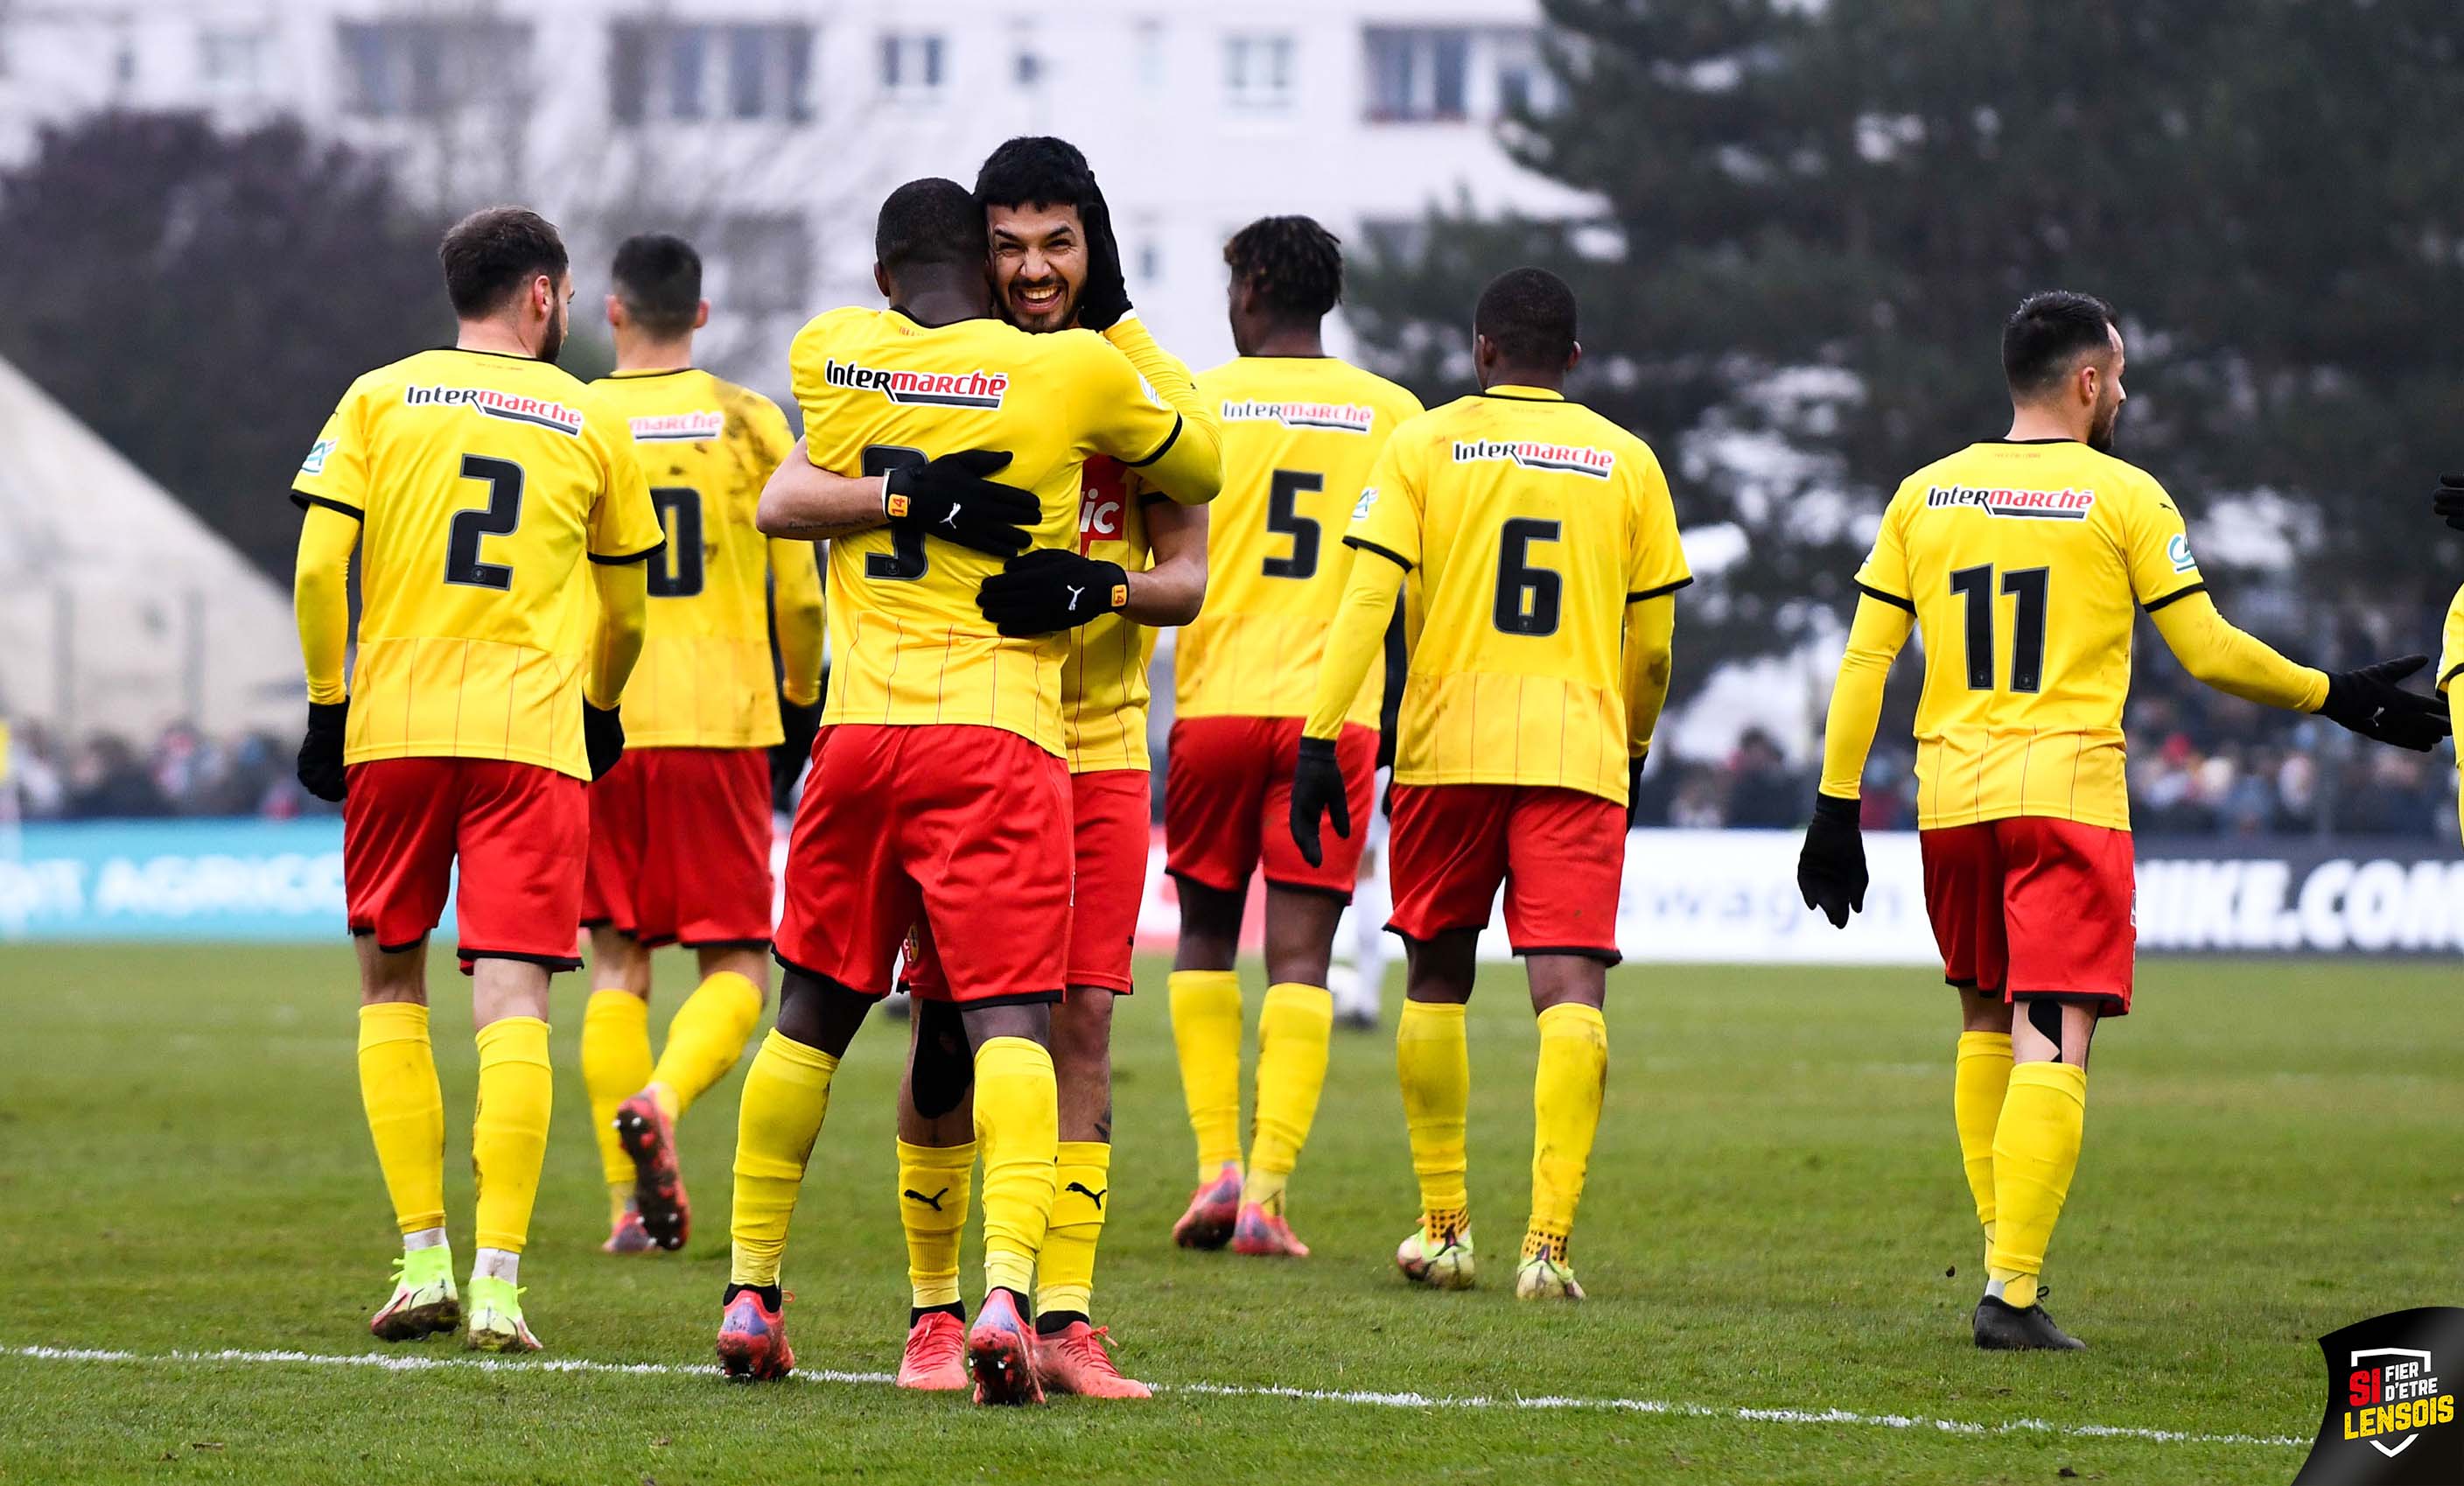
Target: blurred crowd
(181, 772)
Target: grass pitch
(1773, 1214)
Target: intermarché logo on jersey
(930, 388)
(539, 411)
(679, 427)
(2038, 505)
(1339, 417)
(1563, 459)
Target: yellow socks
(615, 1064)
(509, 1135)
(2036, 1150)
(1566, 1099)
(1982, 1079)
(1207, 1034)
(406, 1110)
(1292, 1032)
(786, 1094)
(704, 1040)
(1433, 1063)
(1065, 1275)
(1018, 1124)
(933, 1184)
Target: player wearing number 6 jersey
(2022, 561)
(1547, 553)
(1300, 432)
(473, 481)
(680, 827)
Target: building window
(1258, 71)
(1419, 75)
(764, 265)
(912, 62)
(1524, 81)
(232, 61)
(658, 70)
(406, 69)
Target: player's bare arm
(808, 503)
(1173, 589)
(951, 498)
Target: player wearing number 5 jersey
(2023, 561)
(474, 481)
(1546, 552)
(680, 827)
(1300, 432)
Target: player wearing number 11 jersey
(474, 481)
(2022, 561)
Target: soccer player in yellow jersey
(2022, 561)
(939, 791)
(1547, 553)
(680, 827)
(473, 481)
(1300, 432)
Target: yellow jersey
(909, 644)
(1300, 433)
(1104, 692)
(707, 447)
(2022, 563)
(481, 481)
(1532, 523)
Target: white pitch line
(385, 1362)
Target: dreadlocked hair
(1294, 265)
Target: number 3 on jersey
(2029, 586)
(905, 562)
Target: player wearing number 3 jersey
(474, 482)
(2022, 561)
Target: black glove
(2370, 704)
(1634, 786)
(787, 760)
(951, 498)
(2448, 500)
(1050, 589)
(320, 752)
(602, 738)
(1318, 790)
(1830, 870)
(1106, 297)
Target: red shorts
(964, 829)
(1227, 802)
(1109, 810)
(2035, 907)
(680, 848)
(1560, 853)
(520, 832)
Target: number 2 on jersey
(2027, 586)
(498, 518)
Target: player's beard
(1059, 316)
(552, 335)
(2100, 430)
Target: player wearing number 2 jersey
(474, 481)
(1300, 432)
(680, 827)
(2023, 561)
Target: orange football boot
(1213, 1211)
(753, 1337)
(936, 1354)
(628, 1237)
(1260, 1233)
(1001, 1346)
(1077, 1359)
(650, 1138)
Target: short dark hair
(2048, 333)
(494, 252)
(1296, 265)
(658, 277)
(930, 222)
(1528, 314)
(1036, 170)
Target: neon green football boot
(424, 1303)
(1541, 1277)
(1440, 1261)
(496, 1318)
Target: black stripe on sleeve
(1661, 591)
(1892, 599)
(1367, 546)
(619, 560)
(303, 500)
(1162, 449)
(2451, 672)
(2154, 605)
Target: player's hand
(1830, 870)
(1634, 786)
(1317, 792)
(1050, 589)
(602, 738)
(953, 498)
(787, 758)
(320, 752)
(1106, 297)
(2369, 702)
(2448, 500)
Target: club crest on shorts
(2391, 1414)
